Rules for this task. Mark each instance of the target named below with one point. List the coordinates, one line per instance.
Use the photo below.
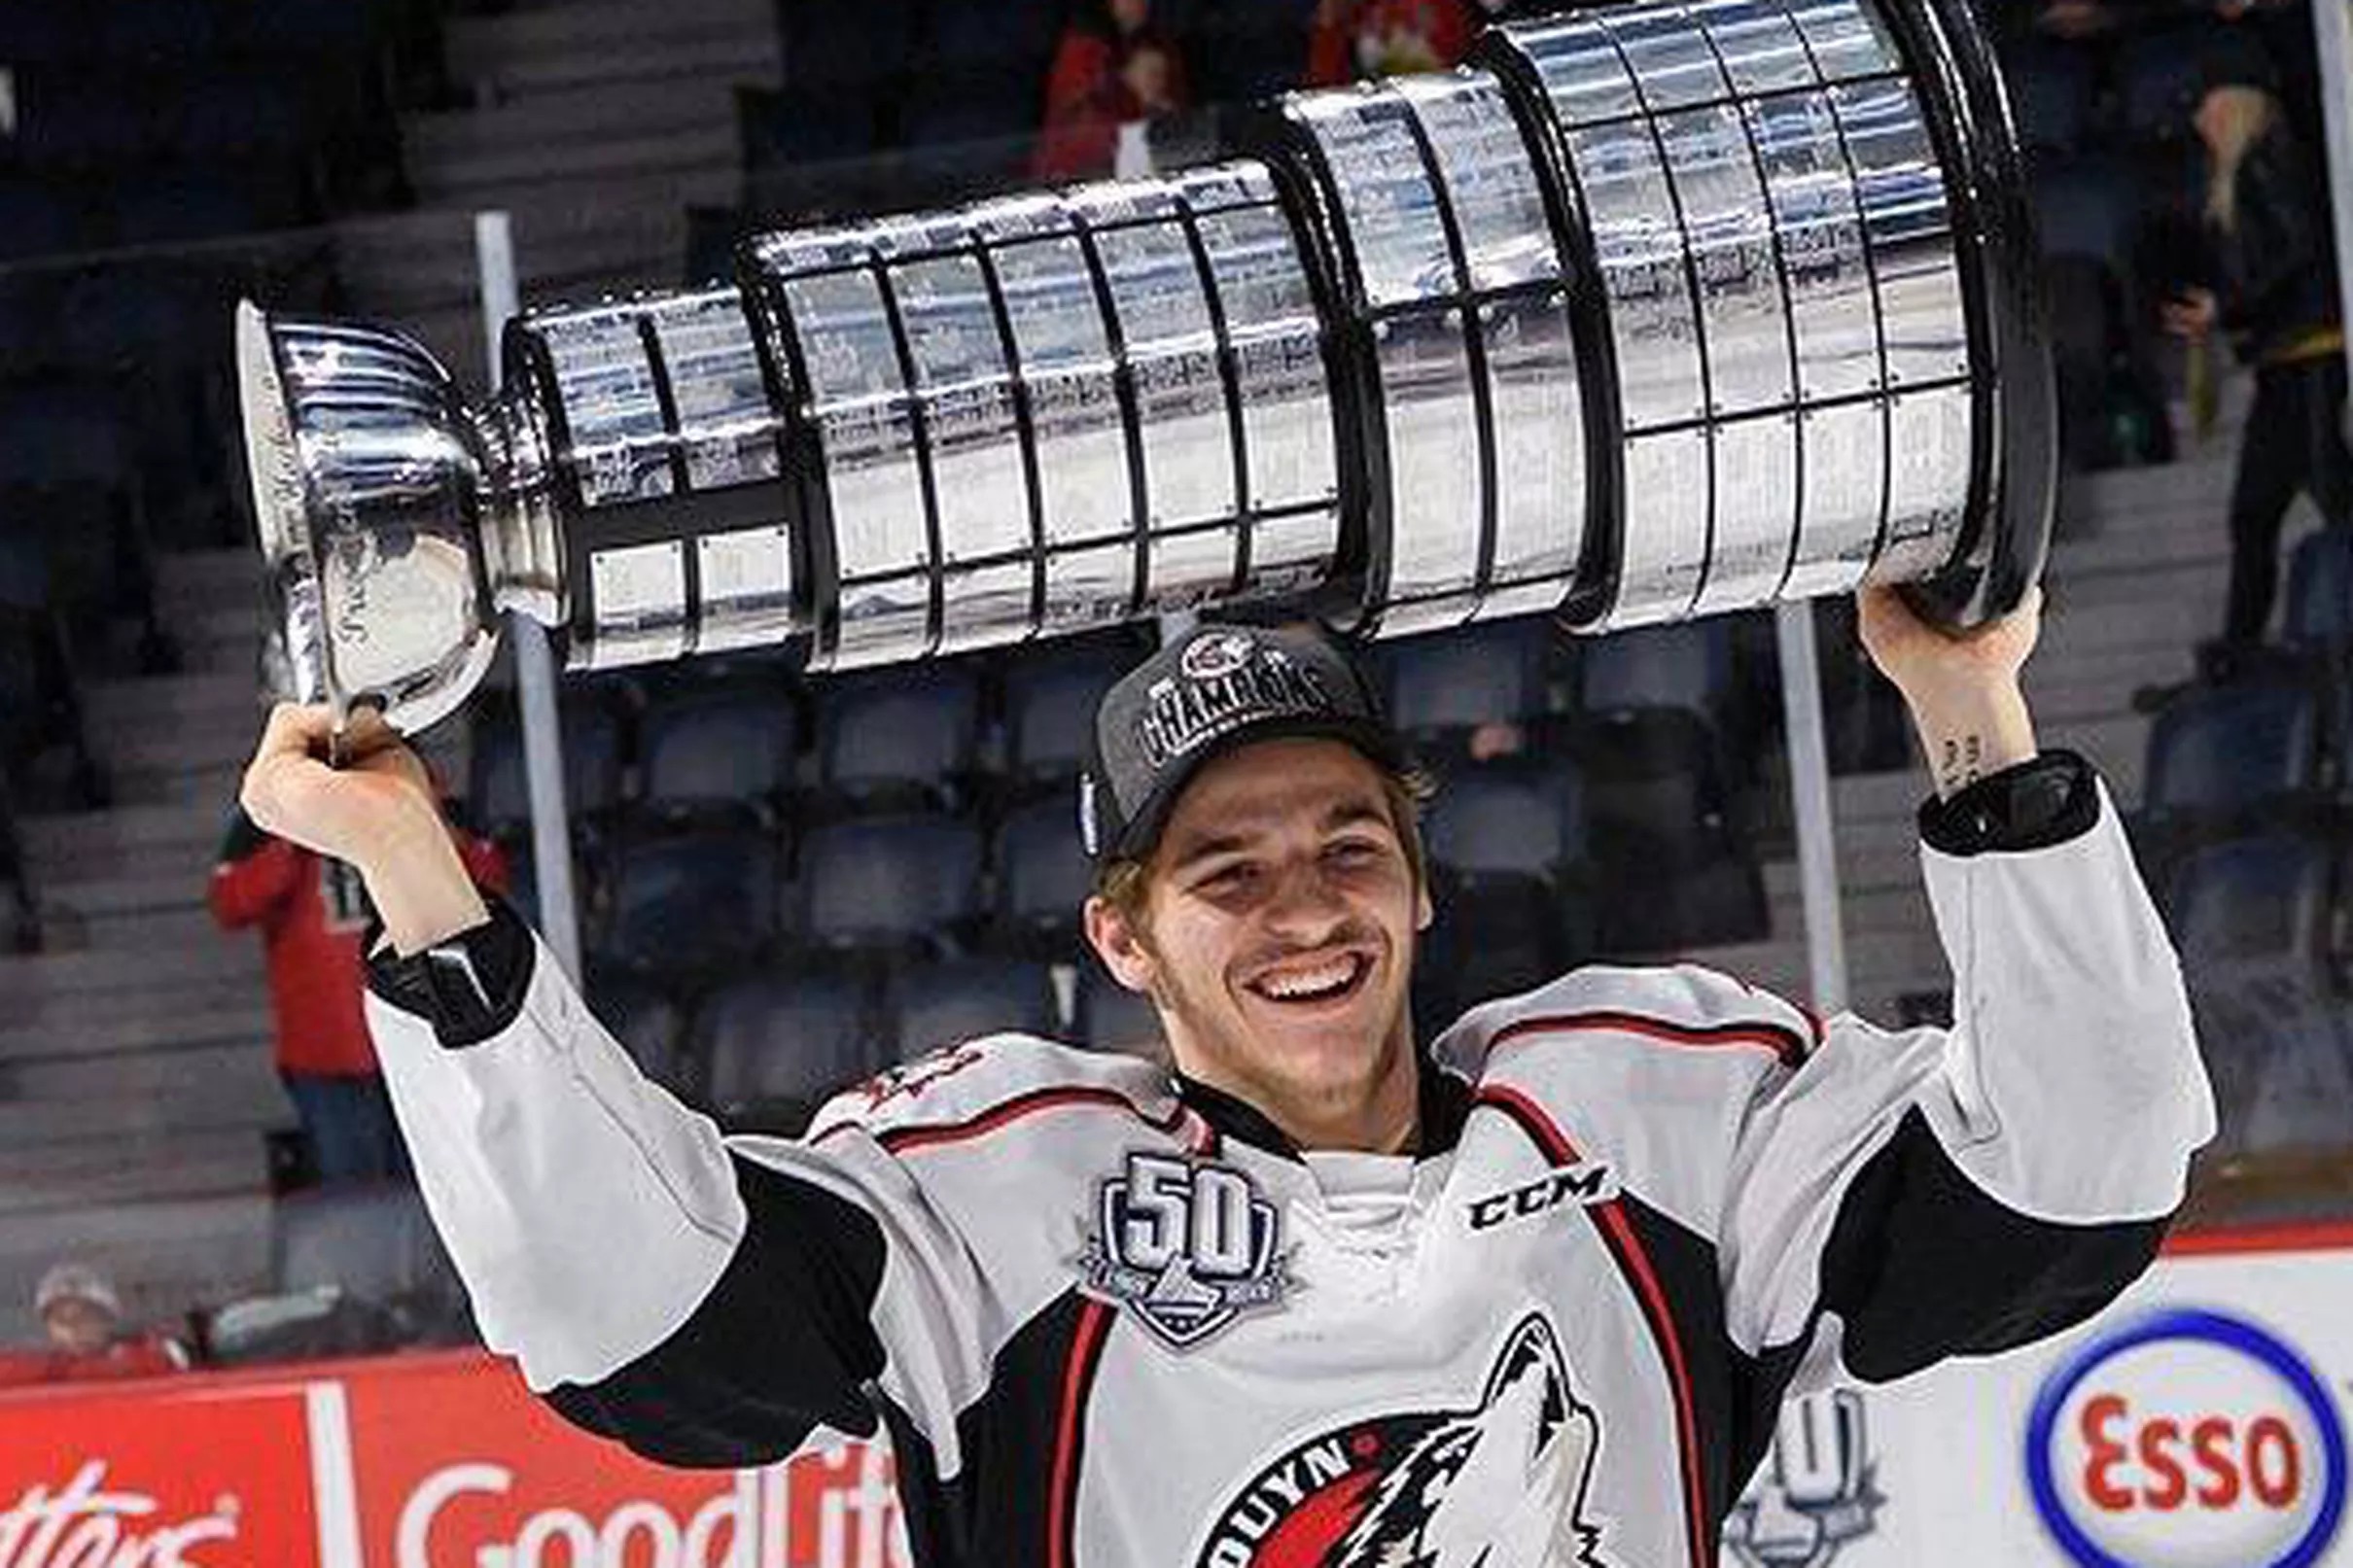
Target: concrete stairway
(598, 123)
(2133, 586)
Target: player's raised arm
(1965, 1190)
(707, 1300)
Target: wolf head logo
(1500, 1484)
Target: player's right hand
(356, 812)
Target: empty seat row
(770, 1044)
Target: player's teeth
(1330, 978)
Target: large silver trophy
(1649, 312)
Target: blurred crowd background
(789, 885)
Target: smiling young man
(1317, 1296)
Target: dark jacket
(2275, 274)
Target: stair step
(604, 111)
(595, 26)
(479, 176)
(155, 1028)
(745, 50)
(193, 699)
(196, 1084)
(235, 1163)
(45, 979)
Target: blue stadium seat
(2219, 749)
(1044, 876)
(2052, 85)
(593, 742)
(1050, 700)
(1508, 818)
(983, 69)
(2319, 610)
(717, 755)
(647, 1020)
(1444, 685)
(76, 124)
(2159, 73)
(1109, 1017)
(2084, 206)
(890, 884)
(945, 1003)
(1507, 850)
(374, 1241)
(182, 36)
(242, 118)
(895, 741)
(1687, 665)
(697, 903)
(191, 207)
(2261, 897)
(774, 1046)
(2254, 919)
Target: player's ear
(1118, 943)
(1425, 911)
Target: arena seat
(890, 884)
(1109, 1017)
(2319, 609)
(717, 755)
(893, 741)
(1043, 878)
(944, 1004)
(647, 1020)
(2216, 750)
(774, 1046)
(1050, 696)
(697, 903)
(1441, 687)
(1507, 844)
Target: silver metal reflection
(1654, 311)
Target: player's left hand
(1927, 662)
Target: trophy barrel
(1646, 312)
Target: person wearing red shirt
(1354, 39)
(82, 1315)
(312, 911)
(1111, 68)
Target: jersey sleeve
(1941, 1191)
(707, 1299)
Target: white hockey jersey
(1115, 1320)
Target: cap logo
(1219, 653)
(1248, 681)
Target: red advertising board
(431, 1461)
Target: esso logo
(2188, 1440)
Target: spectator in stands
(2273, 276)
(82, 1315)
(1114, 66)
(1354, 39)
(312, 912)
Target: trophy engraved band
(1650, 312)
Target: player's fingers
(299, 729)
(295, 739)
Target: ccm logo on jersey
(1589, 1182)
(2189, 1438)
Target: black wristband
(2032, 805)
(469, 988)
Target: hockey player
(1315, 1296)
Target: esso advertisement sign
(2188, 1440)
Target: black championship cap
(1211, 690)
